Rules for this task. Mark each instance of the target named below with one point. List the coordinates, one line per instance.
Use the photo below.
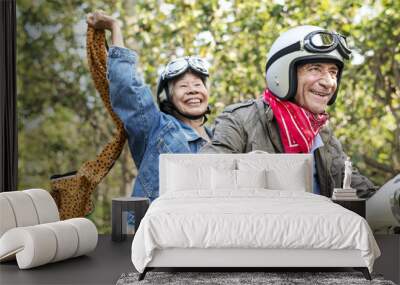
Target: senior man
(303, 73)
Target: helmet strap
(190, 117)
(169, 108)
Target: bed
(247, 210)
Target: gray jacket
(249, 126)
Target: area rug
(268, 278)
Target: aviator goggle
(324, 41)
(180, 65)
(316, 42)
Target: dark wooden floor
(110, 259)
(102, 266)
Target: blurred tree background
(62, 122)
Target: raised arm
(100, 21)
(130, 98)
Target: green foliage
(62, 122)
(367, 116)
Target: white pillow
(251, 178)
(183, 177)
(281, 174)
(223, 179)
(227, 179)
(294, 181)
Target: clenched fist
(101, 21)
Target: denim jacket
(150, 131)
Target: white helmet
(301, 45)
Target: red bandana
(298, 126)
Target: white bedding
(251, 218)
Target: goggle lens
(322, 40)
(180, 65)
(175, 67)
(198, 64)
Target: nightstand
(355, 205)
(120, 208)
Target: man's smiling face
(316, 84)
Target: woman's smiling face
(189, 94)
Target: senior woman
(182, 95)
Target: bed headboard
(295, 169)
